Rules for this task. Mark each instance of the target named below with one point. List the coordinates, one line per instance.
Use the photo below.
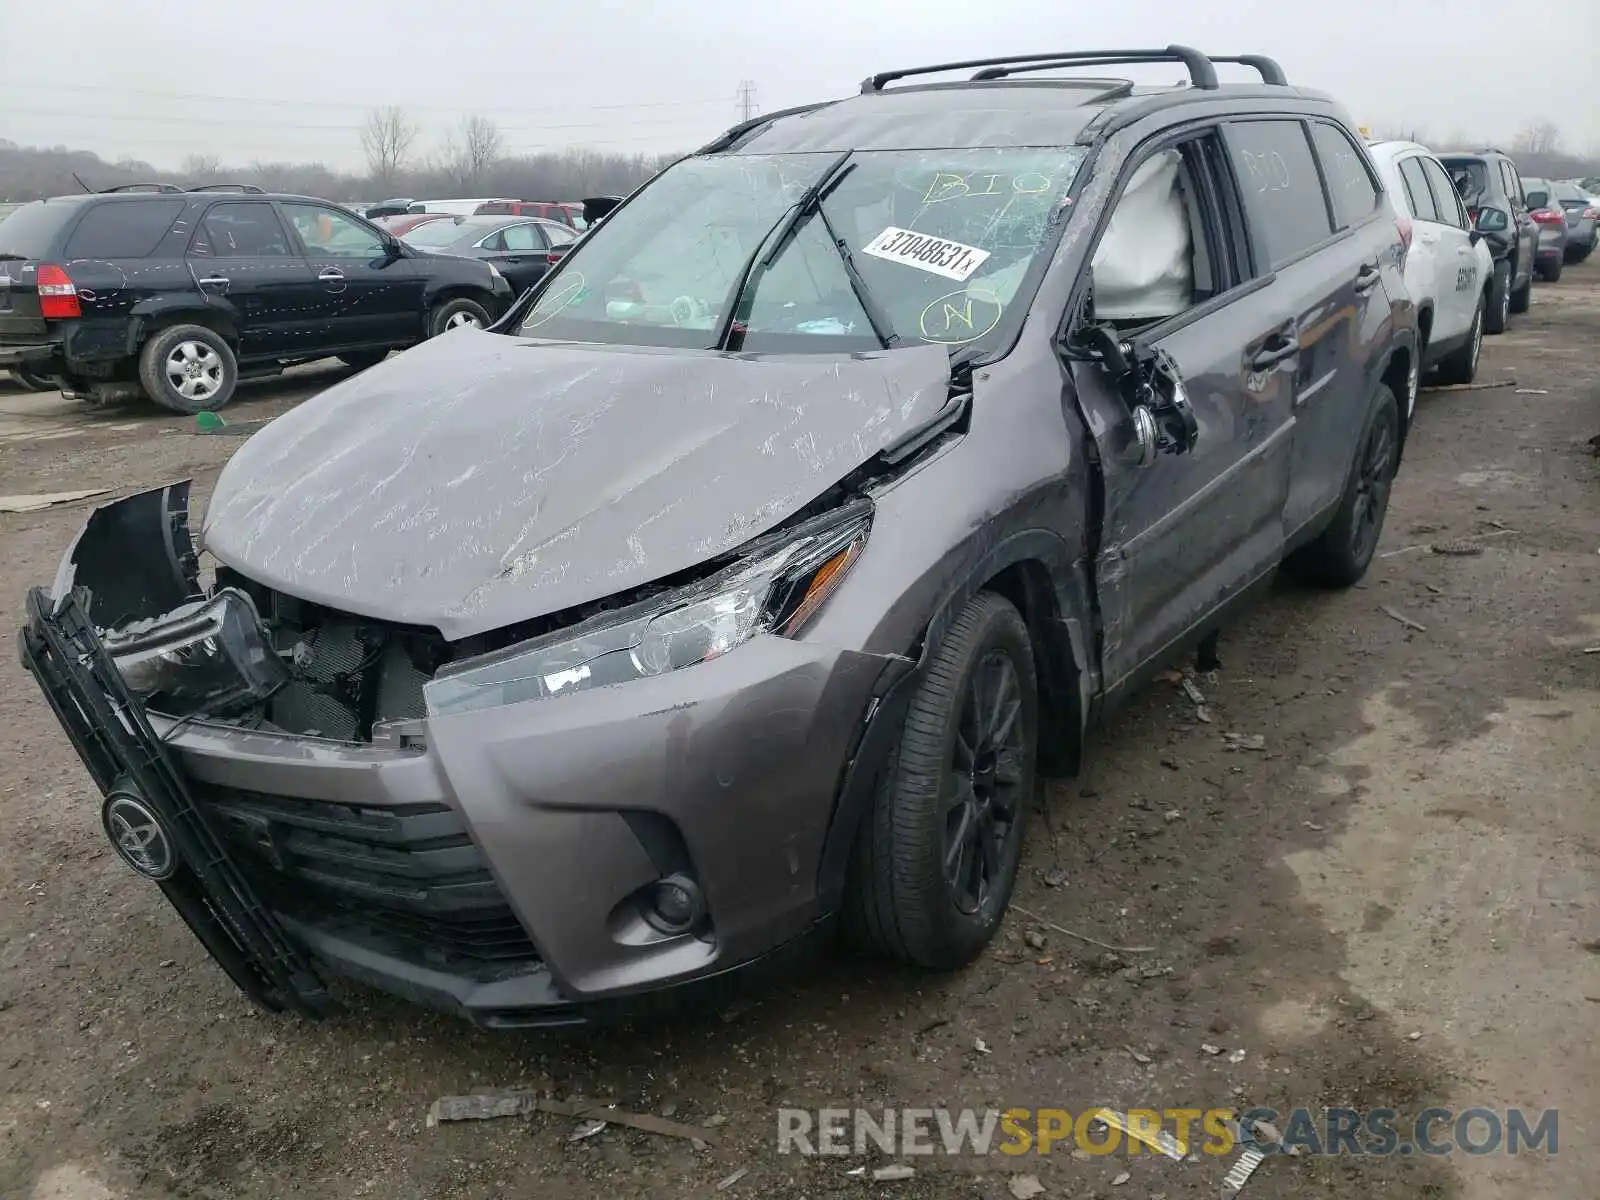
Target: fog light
(674, 905)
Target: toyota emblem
(138, 836)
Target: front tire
(1497, 309)
(456, 314)
(1462, 365)
(188, 369)
(1343, 551)
(936, 858)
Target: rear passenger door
(1321, 277)
(245, 264)
(1460, 283)
(1187, 533)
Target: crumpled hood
(479, 480)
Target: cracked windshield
(906, 246)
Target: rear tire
(1550, 272)
(188, 369)
(453, 314)
(1497, 307)
(936, 857)
(1462, 365)
(1522, 297)
(1343, 551)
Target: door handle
(1367, 278)
(220, 282)
(331, 274)
(1279, 348)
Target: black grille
(404, 880)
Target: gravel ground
(1391, 903)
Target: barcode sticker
(953, 260)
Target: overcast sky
(292, 79)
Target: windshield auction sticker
(953, 260)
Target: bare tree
(201, 168)
(472, 150)
(386, 138)
(1543, 138)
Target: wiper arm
(743, 295)
(876, 317)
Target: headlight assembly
(776, 589)
(208, 656)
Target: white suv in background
(1449, 270)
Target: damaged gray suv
(752, 570)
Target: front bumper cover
(445, 832)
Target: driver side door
(1188, 533)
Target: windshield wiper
(744, 288)
(876, 317)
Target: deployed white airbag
(1142, 267)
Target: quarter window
(1350, 184)
(123, 228)
(1282, 190)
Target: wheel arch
(1395, 371)
(1031, 569)
(151, 320)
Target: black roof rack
(168, 188)
(1267, 68)
(248, 188)
(1201, 73)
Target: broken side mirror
(1152, 389)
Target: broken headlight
(209, 656)
(776, 589)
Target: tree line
(472, 160)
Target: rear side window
(123, 228)
(1282, 190)
(1444, 194)
(31, 231)
(1350, 183)
(240, 230)
(1417, 190)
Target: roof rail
(724, 140)
(248, 188)
(1201, 73)
(1113, 87)
(168, 188)
(1267, 68)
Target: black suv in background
(1496, 204)
(149, 288)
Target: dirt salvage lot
(1393, 903)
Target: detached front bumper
(498, 864)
